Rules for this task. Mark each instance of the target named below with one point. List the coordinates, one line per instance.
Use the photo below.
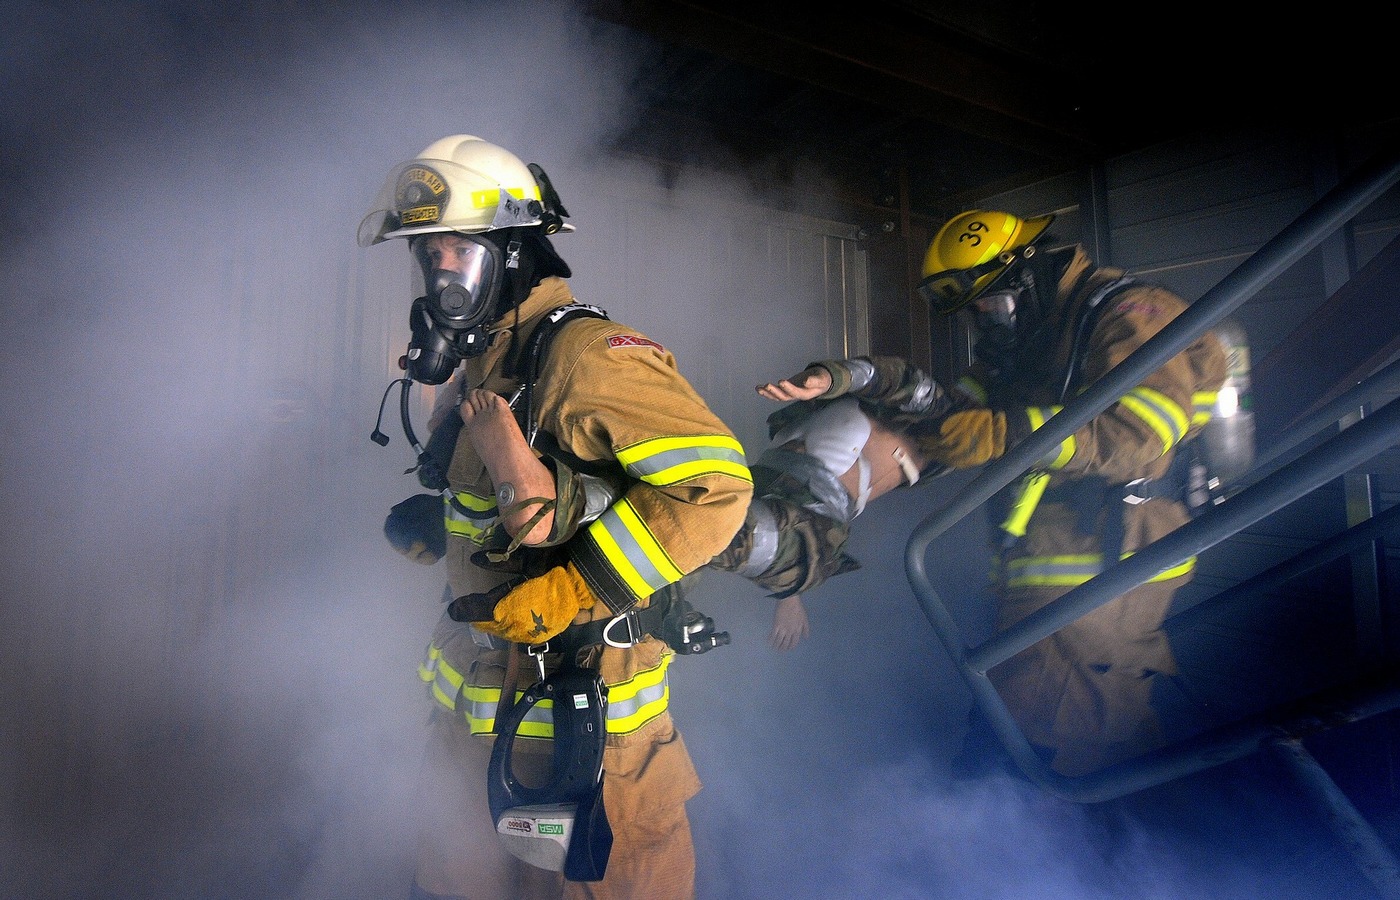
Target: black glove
(415, 528)
(523, 560)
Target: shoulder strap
(1088, 317)
(533, 356)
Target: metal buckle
(634, 630)
(1130, 496)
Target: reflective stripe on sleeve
(1202, 406)
(972, 388)
(1027, 499)
(663, 461)
(631, 550)
(1167, 420)
(470, 516)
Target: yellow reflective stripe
(1073, 569)
(631, 703)
(995, 246)
(632, 551)
(478, 707)
(491, 198)
(1202, 406)
(970, 386)
(428, 666)
(635, 702)
(1032, 488)
(1160, 412)
(670, 460)
(444, 682)
(475, 522)
(1056, 459)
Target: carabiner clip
(538, 651)
(634, 634)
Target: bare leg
(514, 469)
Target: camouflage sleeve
(886, 381)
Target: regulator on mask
(464, 275)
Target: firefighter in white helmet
(656, 485)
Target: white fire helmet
(464, 184)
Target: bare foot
(514, 469)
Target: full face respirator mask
(464, 275)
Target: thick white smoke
(210, 647)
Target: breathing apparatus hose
(430, 472)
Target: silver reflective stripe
(612, 524)
(622, 708)
(598, 495)
(862, 373)
(764, 540)
(925, 392)
(669, 459)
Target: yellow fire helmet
(971, 251)
(464, 184)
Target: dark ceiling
(928, 106)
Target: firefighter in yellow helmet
(1049, 322)
(557, 572)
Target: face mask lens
(997, 310)
(461, 280)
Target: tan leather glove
(969, 438)
(534, 610)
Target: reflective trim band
(1067, 571)
(1203, 406)
(628, 545)
(643, 697)
(861, 371)
(470, 516)
(1055, 459)
(491, 198)
(1032, 489)
(970, 386)
(763, 540)
(995, 245)
(925, 392)
(444, 682)
(663, 461)
(631, 703)
(1160, 412)
(478, 706)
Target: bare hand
(790, 625)
(805, 385)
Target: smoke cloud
(211, 647)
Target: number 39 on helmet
(971, 251)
